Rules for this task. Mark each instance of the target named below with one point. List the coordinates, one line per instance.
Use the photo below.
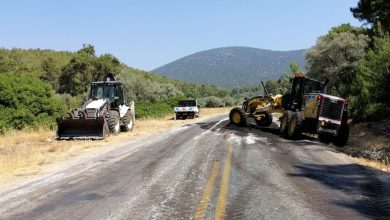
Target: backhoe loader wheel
(237, 116)
(266, 121)
(106, 130)
(128, 122)
(295, 126)
(114, 122)
(285, 121)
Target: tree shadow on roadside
(367, 193)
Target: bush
(151, 110)
(229, 101)
(27, 102)
(72, 102)
(159, 109)
(213, 101)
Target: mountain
(232, 66)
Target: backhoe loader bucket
(82, 128)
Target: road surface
(208, 170)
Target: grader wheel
(237, 116)
(266, 120)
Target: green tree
(76, 75)
(294, 67)
(372, 84)
(374, 12)
(50, 72)
(272, 87)
(104, 64)
(85, 67)
(336, 57)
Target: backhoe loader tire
(237, 116)
(114, 122)
(128, 123)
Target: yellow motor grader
(306, 108)
(260, 108)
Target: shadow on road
(356, 181)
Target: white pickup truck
(186, 109)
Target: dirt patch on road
(29, 152)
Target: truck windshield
(102, 91)
(185, 103)
(312, 86)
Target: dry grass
(374, 164)
(24, 153)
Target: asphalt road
(208, 170)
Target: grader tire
(342, 137)
(294, 129)
(237, 116)
(267, 121)
(324, 138)
(286, 118)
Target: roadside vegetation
(37, 86)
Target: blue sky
(147, 34)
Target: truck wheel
(114, 122)
(342, 136)
(237, 116)
(128, 122)
(286, 118)
(295, 127)
(266, 121)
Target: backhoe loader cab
(112, 91)
(308, 109)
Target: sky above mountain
(148, 34)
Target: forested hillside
(232, 67)
(36, 86)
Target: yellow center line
(223, 192)
(203, 204)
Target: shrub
(159, 109)
(27, 102)
(213, 101)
